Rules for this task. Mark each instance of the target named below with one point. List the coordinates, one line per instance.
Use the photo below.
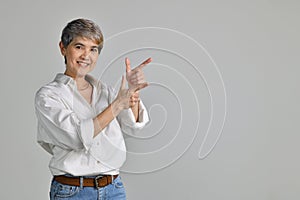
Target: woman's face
(81, 56)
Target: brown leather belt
(99, 181)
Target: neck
(80, 80)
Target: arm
(135, 76)
(60, 126)
(125, 99)
(105, 117)
(136, 108)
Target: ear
(62, 48)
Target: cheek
(95, 58)
(73, 53)
(72, 58)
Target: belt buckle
(96, 181)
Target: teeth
(83, 64)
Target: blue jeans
(113, 191)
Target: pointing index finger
(143, 64)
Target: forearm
(106, 116)
(125, 99)
(135, 110)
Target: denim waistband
(88, 176)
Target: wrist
(116, 107)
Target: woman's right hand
(127, 98)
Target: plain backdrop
(210, 58)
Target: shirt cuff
(129, 125)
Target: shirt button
(97, 143)
(98, 162)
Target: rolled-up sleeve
(60, 126)
(127, 120)
(126, 117)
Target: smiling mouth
(83, 64)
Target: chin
(83, 72)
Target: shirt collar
(65, 79)
(62, 78)
(92, 80)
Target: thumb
(123, 83)
(127, 63)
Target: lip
(83, 64)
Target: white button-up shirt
(66, 129)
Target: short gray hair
(82, 28)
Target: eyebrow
(78, 43)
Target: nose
(85, 54)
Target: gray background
(255, 45)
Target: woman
(81, 120)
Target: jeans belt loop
(112, 178)
(81, 182)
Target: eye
(78, 47)
(95, 50)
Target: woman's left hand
(135, 76)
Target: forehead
(84, 41)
